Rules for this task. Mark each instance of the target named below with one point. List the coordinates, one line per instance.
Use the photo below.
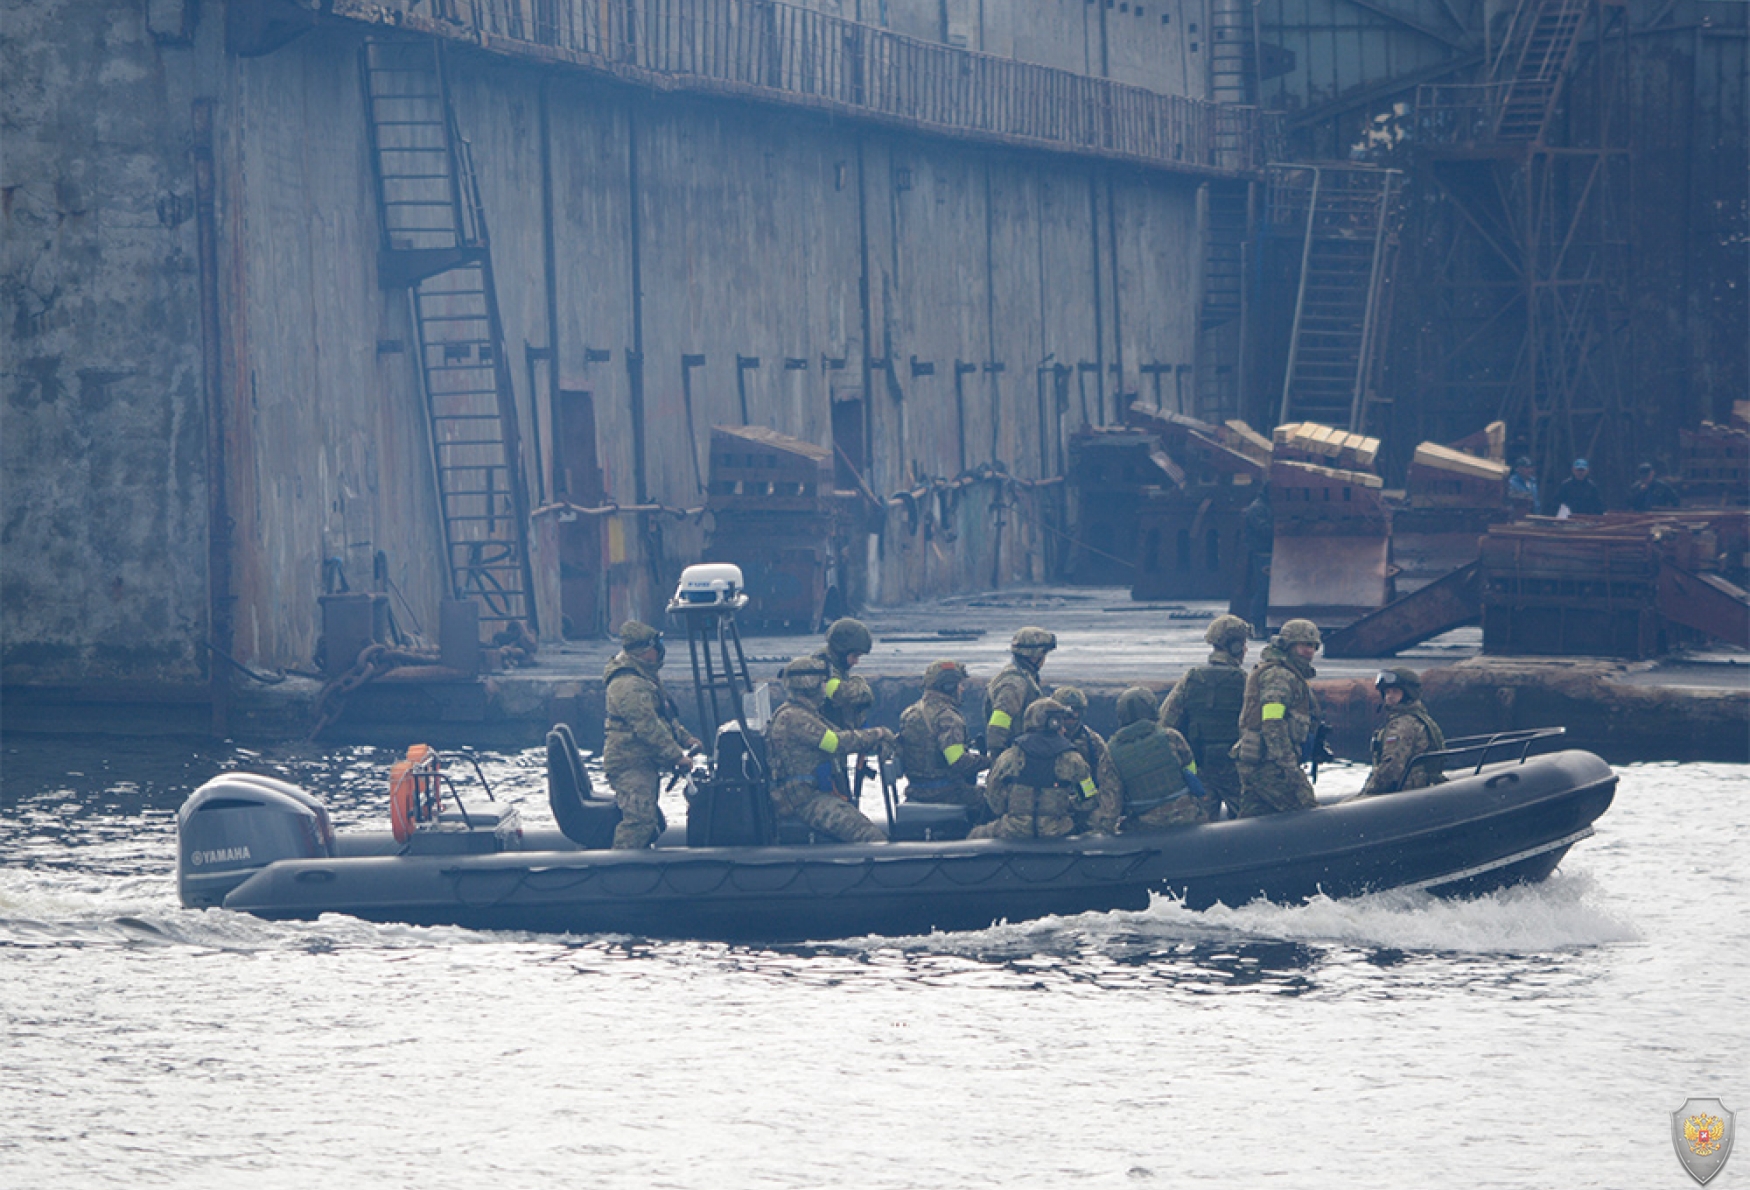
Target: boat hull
(1509, 823)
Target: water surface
(1532, 1038)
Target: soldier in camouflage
(802, 749)
(848, 698)
(1409, 732)
(1155, 778)
(932, 742)
(1204, 707)
(1040, 783)
(644, 734)
(1278, 724)
(1013, 690)
(1092, 745)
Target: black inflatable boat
(264, 847)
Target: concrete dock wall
(102, 432)
(937, 282)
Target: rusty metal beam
(1705, 602)
(1439, 607)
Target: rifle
(1316, 751)
(859, 773)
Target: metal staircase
(435, 246)
(1344, 218)
(1531, 63)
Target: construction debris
(1631, 585)
(774, 514)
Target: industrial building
(510, 302)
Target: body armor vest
(1214, 696)
(1039, 769)
(1146, 762)
(1436, 737)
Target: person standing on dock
(1013, 690)
(804, 751)
(644, 734)
(1155, 785)
(1649, 492)
(1040, 784)
(1205, 707)
(1409, 733)
(1522, 487)
(1578, 495)
(939, 768)
(1278, 725)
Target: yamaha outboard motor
(237, 824)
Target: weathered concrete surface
(102, 432)
(671, 226)
(1685, 709)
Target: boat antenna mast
(705, 602)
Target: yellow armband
(1000, 718)
(954, 752)
(830, 741)
(1274, 710)
(832, 686)
(1088, 789)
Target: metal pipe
(219, 594)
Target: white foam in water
(1559, 914)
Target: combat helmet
(1044, 714)
(635, 634)
(1399, 678)
(804, 675)
(945, 676)
(1300, 632)
(1136, 705)
(849, 636)
(1073, 698)
(1224, 630)
(1033, 640)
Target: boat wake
(1560, 914)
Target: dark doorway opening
(850, 443)
(577, 479)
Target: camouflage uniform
(1153, 772)
(1204, 706)
(1092, 746)
(802, 750)
(1016, 688)
(1039, 784)
(1276, 721)
(644, 737)
(847, 698)
(932, 743)
(1409, 732)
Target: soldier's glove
(684, 766)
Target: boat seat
(917, 822)
(585, 819)
(483, 830)
(793, 831)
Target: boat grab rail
(1483, 745)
